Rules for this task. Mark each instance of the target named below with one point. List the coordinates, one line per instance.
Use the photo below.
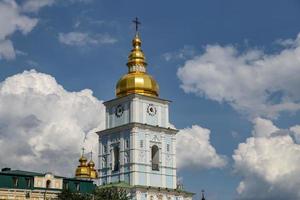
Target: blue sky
(187, 35)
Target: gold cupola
(137, 81)
(93, 172)
(83, 170)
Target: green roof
(7, 181)
(117, 184)
(21, 173)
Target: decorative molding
(130, 126)
(155, 138)
(132, 96)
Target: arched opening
(48, 184)
(155, 157)
(116, 158)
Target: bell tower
(138, 146)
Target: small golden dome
(83, 170)
(91, 163)
(93, 173)
(136, 56)
(137, 80)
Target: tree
(69, 195)
(107, 193)
(111, 193)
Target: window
(105, 149)
(77, 185)
(141, 144)
(66, 185)
(126, 144)
(28, 182)
(126, 157)
(155, 157)
(27, 196)
(168, 147)
(15, 181)
(116, 158)
(48, 184)
(104, 162)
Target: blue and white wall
(135, 110)
(135, 144)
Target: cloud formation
(195, 150)
(36, 5)
(185, 53)
(82, 39)
(11, 21)
(268, 163)
(252, 82)
(42, 126)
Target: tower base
(152, 193)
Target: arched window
(116, 158)
(155, 157)
(48, 184)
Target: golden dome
(137, 80)
(93, 172)
(83, 170)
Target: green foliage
(69, 195)
(109, 193)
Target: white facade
(138, 146)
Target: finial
(137, 23)
(203, 195)
(136, 58)
(82, 170)
(91, 155)
(82, 150)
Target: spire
(203, 195)
(93, 172)
(136, 59)
(82, 170)
(137, 81)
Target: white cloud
(269, 164)
(36, 5)
(82, 39)
(252, 82)
(42, 126)
(185, 53)
(11, 20)
(263, 127)
(296, 132)
(7, 50)
(194, 149)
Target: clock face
(151, 110)
(119, 110)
